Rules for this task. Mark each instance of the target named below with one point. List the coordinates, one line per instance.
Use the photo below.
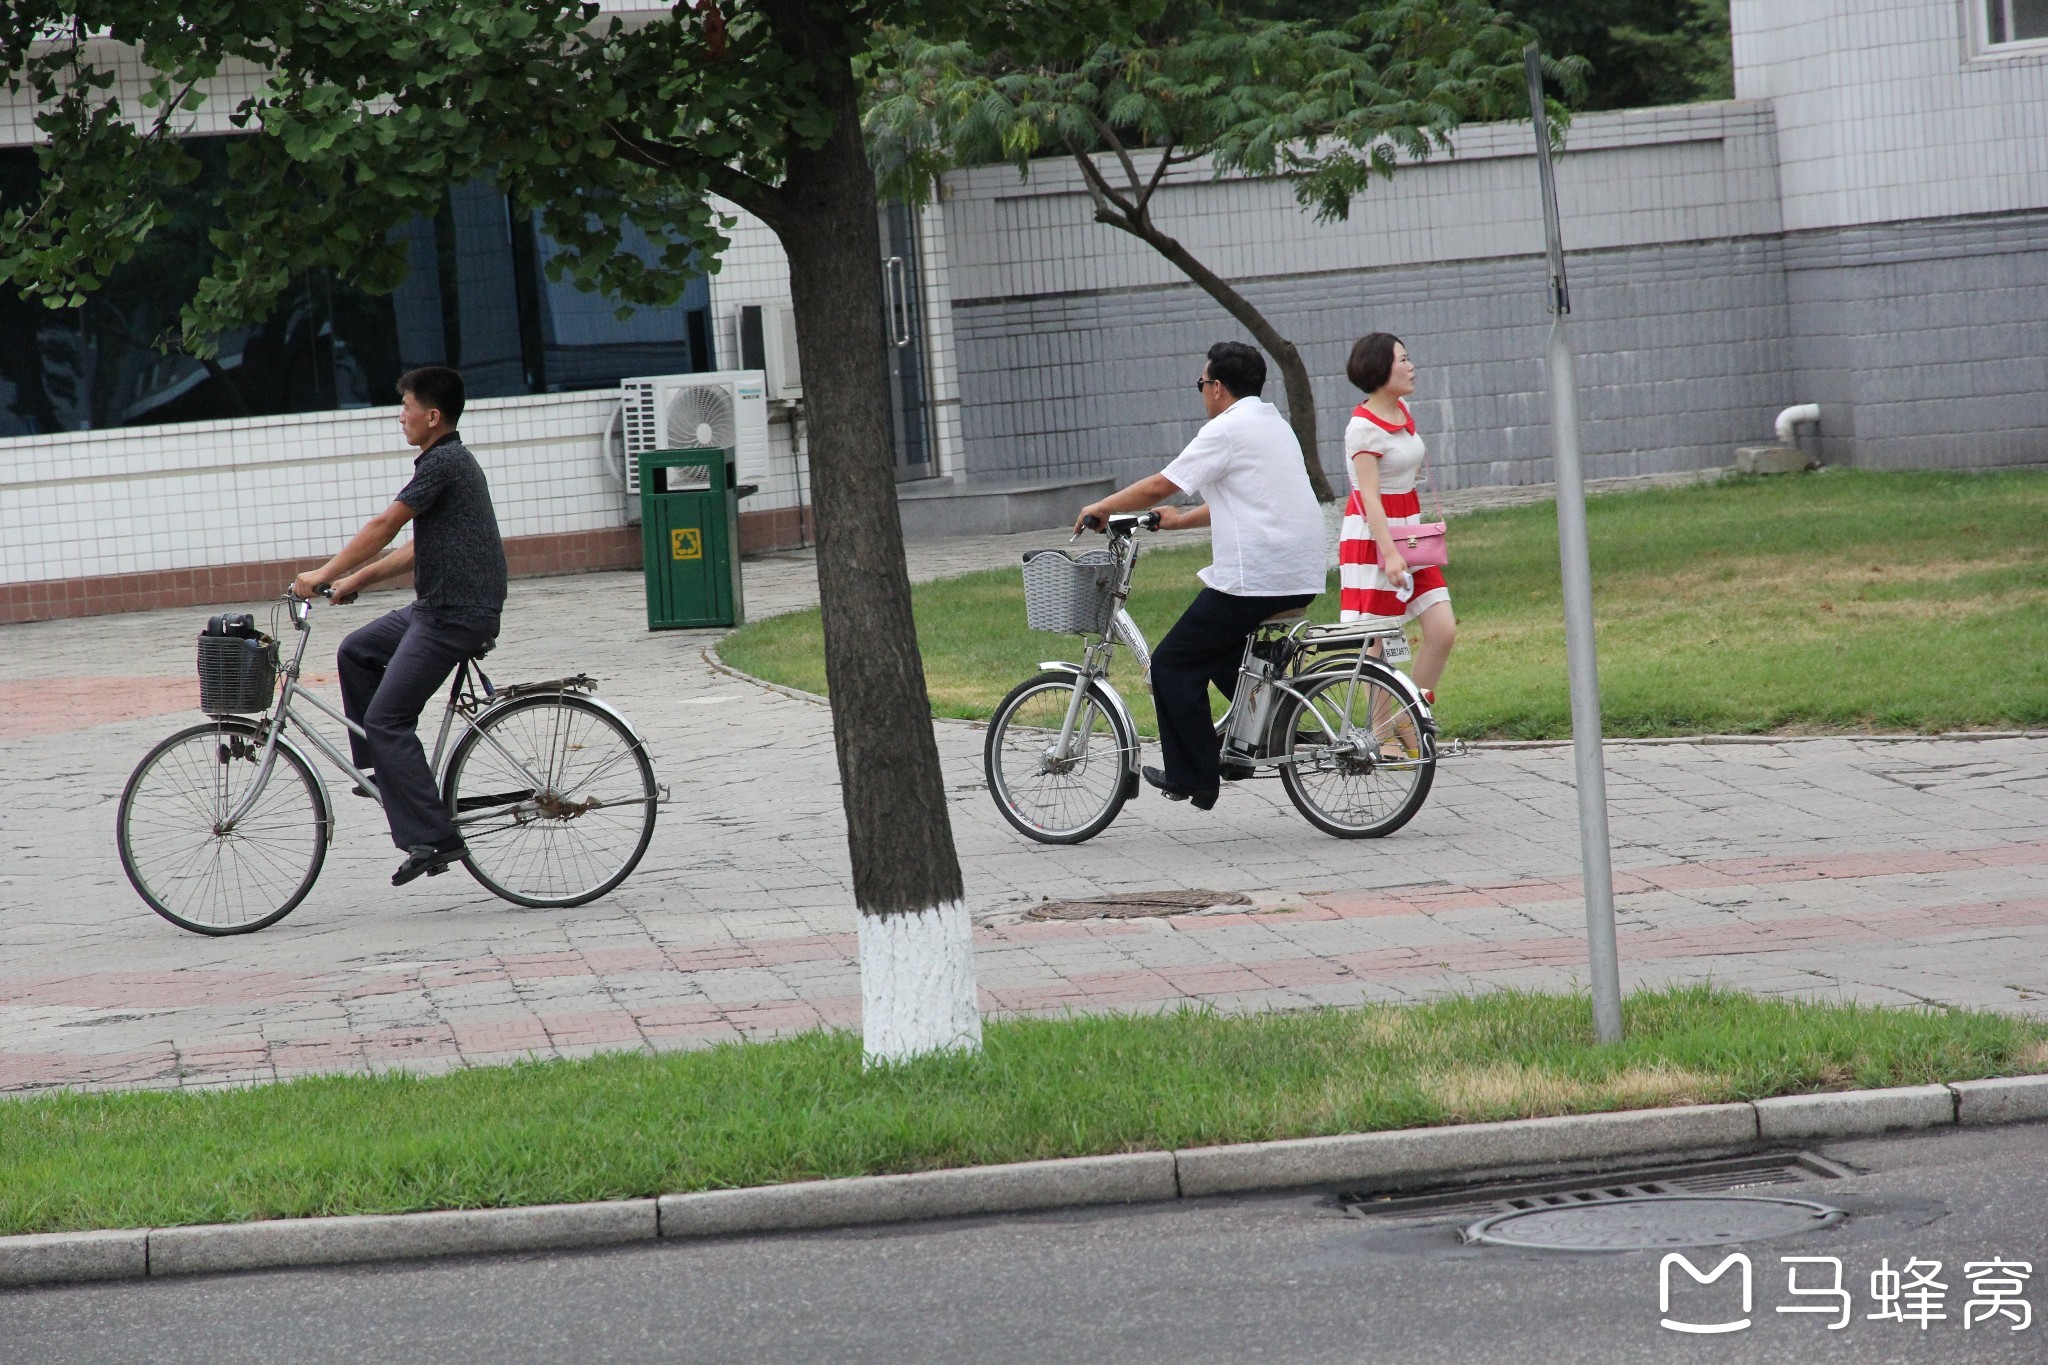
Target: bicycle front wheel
(1360, 757)
(555, 799)
(199, 875)
(1052, 797)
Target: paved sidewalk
(1894, 872)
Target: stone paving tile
(1845, 868)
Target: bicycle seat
(477, 654)
(1281, 618)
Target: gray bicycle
(224, 826)
(1349, 735)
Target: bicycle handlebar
(1123, 523)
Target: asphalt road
(1282, 1278)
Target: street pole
(1595, 856)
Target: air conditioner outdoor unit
(768, 343)
(695, 411)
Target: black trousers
(390, 669)
(1205, 646)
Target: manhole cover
(1136, 905)
(1650, 1222)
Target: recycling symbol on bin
(686, 543)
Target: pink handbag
(1423, 546)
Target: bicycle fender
(599, 702)
(1392, 677)
(1116, 702)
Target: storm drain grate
(1725, 1176)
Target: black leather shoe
(428, 860)
(1173, 791)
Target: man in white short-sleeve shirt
(1266, 540)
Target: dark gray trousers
(390, 669)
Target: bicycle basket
(1069, 594)
(236, 673)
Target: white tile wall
(205, 493)
(1890, 110)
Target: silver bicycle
(224, 826)
(1350, 736)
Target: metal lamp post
(1595, 857)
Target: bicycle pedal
(437, 871)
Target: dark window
(2015, 21)
(476, 298)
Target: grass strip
(1830, 601)
(631, 1124)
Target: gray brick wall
(1925, 343)
(1683, 354)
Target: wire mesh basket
(237, 674)
(1069, 594)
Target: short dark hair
(1237, 367)
(436, 386)
(1372, 360)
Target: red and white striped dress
(1366, 592)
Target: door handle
(896, 287)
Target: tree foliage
(365, 112)
(1638, 52)
(1327, 109)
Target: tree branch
(1108, 134)
(755, 196)
(1158, 174)
(1109, 206)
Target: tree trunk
(916, 949)
(1301, 394)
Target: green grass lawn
(1840, 600)
(627, 1125)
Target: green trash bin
(689, 538)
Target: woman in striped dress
(1385, 458)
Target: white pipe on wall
(1792, 417)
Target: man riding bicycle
(1267, 544)
(393, 666)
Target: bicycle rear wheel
(1361, 757)
(1048, 798)
(555, 798)
(185, 866)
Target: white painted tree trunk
(917, 984)
(1333, 529)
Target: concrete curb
(1403, 1156)
(1074, 1182)
(1385, 1160)
(381, 1237)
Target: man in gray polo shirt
(391, 668)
